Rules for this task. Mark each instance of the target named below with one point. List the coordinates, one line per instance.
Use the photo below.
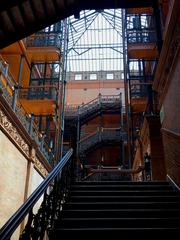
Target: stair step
(121, 187)
(124, 193)
(120, 205)
(116, 233)
(125, 213)
(121, 183)
(118, 222)
(124, 198)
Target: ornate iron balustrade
(71, 110)
(141, 36)
(104, 173)
(4, 70)
(103, 102)
(139, 90)
(39, 92)
(49, 36)
(44, 40)
(140, 28)
(102, 135)
(25, 119)
(57, 183)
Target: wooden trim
(170, 133)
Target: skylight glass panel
(95, 41)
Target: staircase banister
(89, 136)
(10, 226)
(89, 103)
(128, 171)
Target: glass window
(109, 76)
(122, 75)
(93, 76)
(78, 76)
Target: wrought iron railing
(44, 40)
(57, 183)
(101, 135)
(4, 69)
(139, 90)
(111, 173)
(141, 36)
(38, 92)
(25, 119)
(140, 28)
(101, 102)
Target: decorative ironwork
(141, 28)
(101, 102)
(38, 92)
(25, 120)
(51, 207)
(102, 135)
(50, 36)
(56, 188)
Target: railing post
(158, 25)
(78, 131)
(126, 87)
(15, 93)
(42, 142)
(150, 99)
(31, 124)
(6, 69)
(122, 130)
(100, 99)
(78, 164)
(18, 85)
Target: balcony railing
(142, 69)
(4, 70)
(141, 36)
(25, 119)
(101, 135)
(38, 92)
(44, 40)
(101, 102)
(139, 90)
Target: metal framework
(140, 31)
(95, 41)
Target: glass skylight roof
(95, 41)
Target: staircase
(88, 111)
(119, 209)
(104, 135)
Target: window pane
(78, 76)
(93, 76)
(109, 76)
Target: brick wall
(171, 143)
(157, 151)
(151, 142)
